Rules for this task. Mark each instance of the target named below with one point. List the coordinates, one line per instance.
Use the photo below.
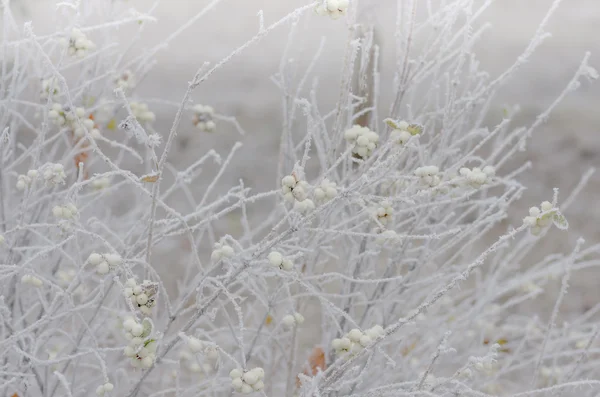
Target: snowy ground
(560, 152)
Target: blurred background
(560, 151)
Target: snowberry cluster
(143, 295)
(402, 131)
(477, 177)
(540, 219)
(125, 80)
(54, 174)
(105, 262)
(429, 175)
(195, 346)
(295, 191)
(90, 126)
(221, 251)
(333, 8)
(326, 191)
(356, 340)
(203, 118)
(247, 381)
(65, 117)
(141, 349)
(24, 181)
(78, 44)
(141, 113)
(105, 388)
(278, 260)
(100, 183)
(68, 211)
(31, 280)
(291, 320)
(384, 212)
(58, 115)
(364, 140)
(50, 88)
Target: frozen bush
(374, 228)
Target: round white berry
(288, 181)
(113, 259)
(57, 211)
(103, 268)
(237, 383)
(287, 264)
(345, 343)
(275, 258)
(143, 353)
(319, 193)
(365, 340)
(299, 318)
(227, 251)
(378, 330)
(258, 386)
(147, 362)
(129, 351)
(195, 345)
(250, 377)
(288, 320)
(259, 372)
(128, 324)
(336, 344)
(94, 258)
(141, 299)
(235, 373)
(354, 335)
(137, 330)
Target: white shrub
(380, 250)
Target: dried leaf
(112, 124)
(316, 362)
(150, 178)
(408, 349)
(501, 342)
(391, 123)
(269, 319)
(415, 129)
